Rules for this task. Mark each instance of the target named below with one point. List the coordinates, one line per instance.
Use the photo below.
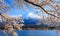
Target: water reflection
(39, 33)
(36, 33)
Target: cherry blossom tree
(52, 13)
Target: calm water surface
(39, 33)
(36, 33)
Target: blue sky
(20, 12)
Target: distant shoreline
(39, 27)
(36, 27)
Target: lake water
(36, 33)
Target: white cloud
(32, 15)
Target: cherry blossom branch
(41, 8)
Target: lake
(36, 33)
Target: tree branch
(2, 15)
(41, 8)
